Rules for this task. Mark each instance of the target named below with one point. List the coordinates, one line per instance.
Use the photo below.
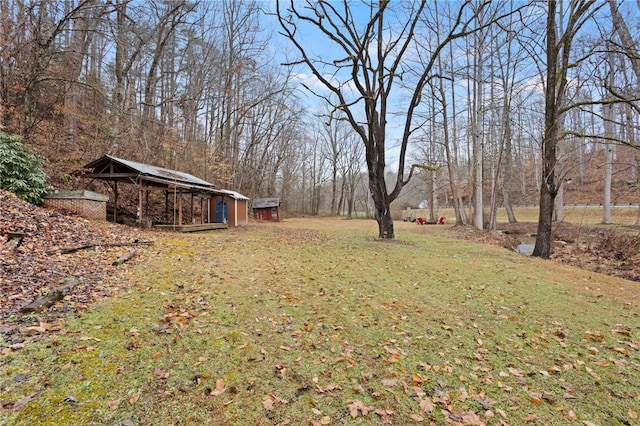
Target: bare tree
(559, 60)
(631, 50)
(371, 55)
(81, 31)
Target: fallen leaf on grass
(269, 401)
(389, 382)
(486, 403)
(418, 379)
(621, 332)
(160, 373)
(328, 388)
(384, 414)
(416, 418)
(426, 405)
(393, 359)
(592, 373)
(621, 350)
(114, 404)
(555, 369)
(535, 400)
(516, 372)
(23, 401)
(356, 406)
(471, 418)
(220, 388)
(594, 336)
(325, 420)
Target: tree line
(334, 107)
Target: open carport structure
(175, 185)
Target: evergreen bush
(21, 170)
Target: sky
(319, 47)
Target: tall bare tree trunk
(608, 117)
(548, 188)
(81, 36)
(630, 47)
(476, 123)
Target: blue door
(222, 211)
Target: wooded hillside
(201, 87)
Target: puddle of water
(527, 243)
(525, 248)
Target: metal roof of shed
(232, 194)
(262, 203)
(109, 167)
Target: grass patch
(581, 215)
(312, 321)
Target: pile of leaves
(42, 249)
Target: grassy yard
(314, 322)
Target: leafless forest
(498, 102)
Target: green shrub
(21, 170)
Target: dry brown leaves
(28, 272)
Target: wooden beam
(110, 176)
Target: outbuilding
(229, 207)
(266, 209)
(85, 203)
(175, 185)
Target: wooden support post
(174, 205)
(147, 223)
(140, 196)
(166, 206)
(192, 221)
(115, 201)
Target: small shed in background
(89, 204)
(266, 209)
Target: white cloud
(310, 80)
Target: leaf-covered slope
(33, 268)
